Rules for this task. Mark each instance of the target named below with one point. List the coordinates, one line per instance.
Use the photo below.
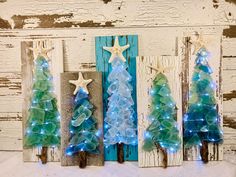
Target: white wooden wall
(157, 22)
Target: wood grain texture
(145, 77)
(95, 97)
(26, 14)
(29, 155)
(102, 57)
(215, 62)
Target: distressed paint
(118, 13)
(230, 32)
(102, 57)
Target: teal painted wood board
(102, 65)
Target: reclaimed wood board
(215, 62)
(95, 95)
(56, 67)
(145, 77)
(102, 57)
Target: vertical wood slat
(215, 62)
(145, 77)
(56, 67)
(102, 57)
(95, 95)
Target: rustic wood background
(56, 67)
(95, 95)
(146, 76)
(156, 22)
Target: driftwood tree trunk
(164, 152)
(120, 152)
(204, 151)
(43, 156)
(82, 159)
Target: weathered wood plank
(102, 57)
(215, 151)
(95, 94)
(229, 45)
(10, 84)
(119, 13)
(27, 69)
(10, 133)
(145, 77)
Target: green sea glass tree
(202, 121)
(43, 123)
(163, 132)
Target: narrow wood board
(95, 95)
(102, 57)
(145, 77)
(215, 62)
(56, 67)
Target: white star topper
(117, 50)
(80, 83)
(40, 50)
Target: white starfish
(161, 69)
(40, 50)
(80, 83)
(117, 50)
(199, 43)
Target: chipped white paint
(118, 13)
(145, 77)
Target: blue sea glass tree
(43, 123)
(83, 126)
(119, 120)
(202, 121)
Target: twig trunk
(120, 152)
(82, 159)
(43, 156)
(204, 151)
(164, 152)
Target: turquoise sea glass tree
(202, 120)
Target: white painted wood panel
(56, 67)
(215, 62)
(145, 77)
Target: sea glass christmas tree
(162, 133)
(119, 120)
(202, 121)
(84, 134)
(43, 123)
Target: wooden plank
(10, 55)
(95, 94)
(145, 77)
(215, 62)
(102, 56)
(27, 68)
(229, 44)
(10, 133)
(120, 13)
(10, 84)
